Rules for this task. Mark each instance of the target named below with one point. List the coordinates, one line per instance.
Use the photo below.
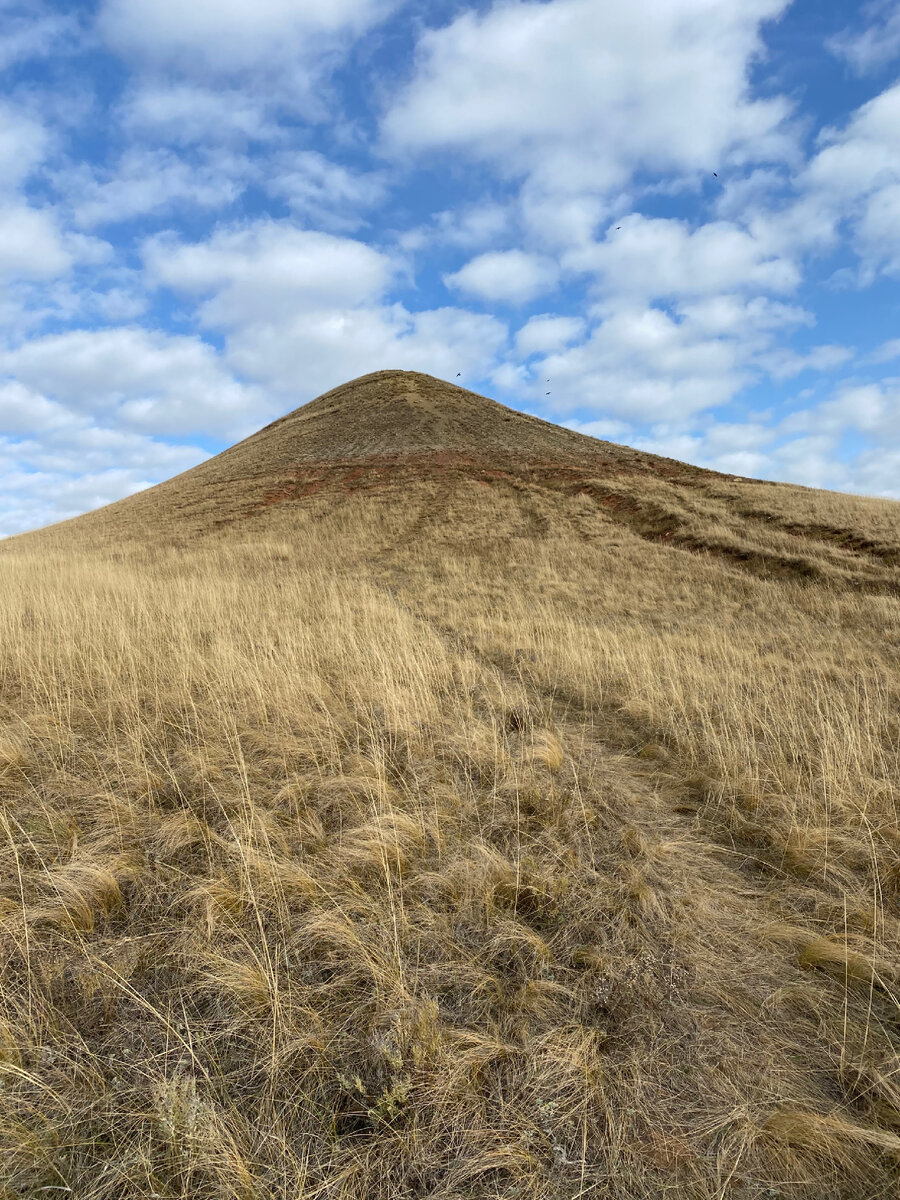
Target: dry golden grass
(454, 839)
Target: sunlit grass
(494, 865)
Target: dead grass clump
(829, 1142)
(83, 892)
(545, 749)
(832, 955)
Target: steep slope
(384, 432)
(437, 462)
(419, 800)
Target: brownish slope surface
(441, 461)
(420, 800)
(387, 431)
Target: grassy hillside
(517, 827)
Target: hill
(387, 432)
(422, 452)
(421, 800)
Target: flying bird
(546, 393)
(716, 173)
(618, 227)
(458, 373)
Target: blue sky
(683, 213)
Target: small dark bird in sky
(618, 227)
(546, 393)
(458, 373)
(716, 173)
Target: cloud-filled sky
(672, 223)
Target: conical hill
(427, 460)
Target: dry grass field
(419, 800)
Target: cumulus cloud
(702, 447)
(505, 276)
(577, 95)
(886, 352)
(855, 177)
(876, 44)
(862, 156)
(57, 463)
(641, 364)
(608, 430)
(753, 320)
(656, 257)
(140, 380)
(872, 408)
(31, 244)
(323, 192)
(23, 144)
(186, 113)
(544, 333)
(30, 31)
(147, 181)
(878, 233)
(303, 311)
(784, 363)
(31, 497)
(268, 269)
(301, 354)
(473, 225)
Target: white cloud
(754, 320)
(876, 472)
(300, 355)
(736, 448)
(878, 233)
(474, 225)
(324, 192)
(545, 333)
(505, 276)
(141, 380)
(812, 456)
(886, 352)
(31, 497)
(864, 155)
(150, 181)
(304, 311)
(609, 430)
(556, 221)
(469, 227)
(872, 408)
(23, 145)
(640, 364)
(30, 31)
(855, 176)
(22, 411)
(185, 113)
(578, 94)
(876, 44)
(231, 34)
(654, 258)
(270, 270)
(31, 245)
(56, 463)
(784, 363)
